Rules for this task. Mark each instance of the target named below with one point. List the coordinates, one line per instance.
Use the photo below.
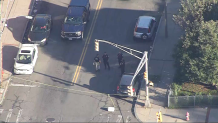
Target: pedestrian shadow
(8, 54)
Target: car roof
(126, 79)
(29, 47)
(79, 3)
(40, 19)
(75, 11)
(144, 21)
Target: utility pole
(166, 30)
(144, 61)
(147, 101)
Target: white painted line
(1, 110)
(119, 119)
(128, 119)
(108, 118)
(19, 115)
(9, 115)
(22, 85)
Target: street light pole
(147, 101)
(144, 60)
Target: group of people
(105, 58)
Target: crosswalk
(10, 115)
(115, 118)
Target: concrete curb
(148, 63)
(9, 78)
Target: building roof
(79, 3)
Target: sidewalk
(161, 64)
(12, 37)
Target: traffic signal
(130, 90)
(96, 45)
(159, 117)
(145, 75)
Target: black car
(77, 16)
(40, 29)
(125, 87)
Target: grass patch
(154, 78)
(196, 89)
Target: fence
(192, 101)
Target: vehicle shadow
(17, 26)
(8, 53)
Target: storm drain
(50, 120)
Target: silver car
(145, 28)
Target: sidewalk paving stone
(12, 37)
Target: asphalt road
(58, 62)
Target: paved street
(57, 67)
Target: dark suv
(40, 29)
(77, 16)
(125, 87)
(145, 28)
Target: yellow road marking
(86, 46)
(87, 42)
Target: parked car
(145, 28)
(76, 18)
(125, 88)
(40, 29)
(26, 59)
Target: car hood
(37, 36)
(23, 66)
(72, 28)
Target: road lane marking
(86, 45)
(128, 119)
(86, 42)
(19, 115)
(119, 119)
(9, 115)
(1, 110)
(22, 85)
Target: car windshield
(39, 28)
(142, 30)
(73, 20)
(24, 58)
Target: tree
(196, 56)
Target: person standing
(105, 59)
(97, 62)
(119, 57)
(122, 66)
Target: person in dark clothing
(97, 62)
(119, 57)
(122, 66)
(105, 59)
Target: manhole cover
(50, 120)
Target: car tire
(144, 37)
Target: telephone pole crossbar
(144, 61)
